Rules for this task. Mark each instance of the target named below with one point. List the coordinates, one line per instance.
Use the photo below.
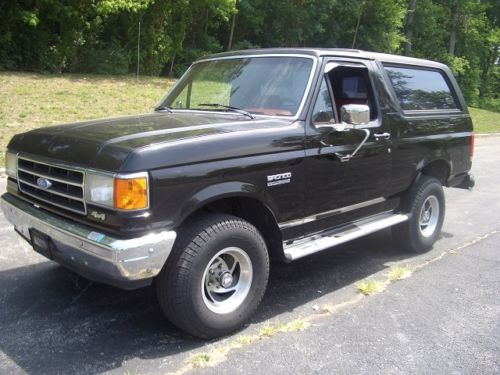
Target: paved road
(443, 319)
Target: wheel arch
(438, 168)
(242, 200)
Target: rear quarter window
(421, 89)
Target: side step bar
(328, 239)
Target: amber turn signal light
(131, 193)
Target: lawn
(30, 101)
(485, 121)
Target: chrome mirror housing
(356, 115)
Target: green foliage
(109, 59)
(107, 7)
(102, 36)
(365, 24)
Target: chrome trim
(306, 91)
(53, 192)
(357, 115)
(19, 169)
(243, 56)
(54, 164)
(326, 240)
(82, 247)
(128, 176)
(325, 214)
(52, 204)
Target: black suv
(253, 155)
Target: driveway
(444, 318)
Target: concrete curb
(2, 172)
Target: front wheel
(216, 276)
(426, 206)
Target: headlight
(100, 189)
(11, 164)
(124, 192)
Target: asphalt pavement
(444, 318)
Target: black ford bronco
(253, 155)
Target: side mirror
(356, 115)
(353, 117)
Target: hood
(117, 144)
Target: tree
(410, 17)
(100, 36)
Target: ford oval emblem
(43, 183)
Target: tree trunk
(360, 14)
(171, 70)
(409, 27)
(453, 31)
(231, 33)
(206, 22)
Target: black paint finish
(196, 157)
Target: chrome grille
(66, 188)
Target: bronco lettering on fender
(279, 179)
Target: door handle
(379, 136)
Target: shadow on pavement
(52, 321)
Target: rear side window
(421, 90)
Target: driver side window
(323, 109)
(349, 85)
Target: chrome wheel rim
(429, 216)
(227, 280)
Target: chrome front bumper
(125, 263)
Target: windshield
(271, 86)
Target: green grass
(200, 360)
(29, 101)
(485, 121)
(369, 287)
(399, 273)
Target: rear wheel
(216, 276)
(426, 206)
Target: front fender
(223, 190)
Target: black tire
(418, 235)
(184, 282)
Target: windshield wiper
(228, 107)
(162, 108)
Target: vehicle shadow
(53, 321)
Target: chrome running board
(322, 241)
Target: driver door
(336, 191)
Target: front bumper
(125, 263)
